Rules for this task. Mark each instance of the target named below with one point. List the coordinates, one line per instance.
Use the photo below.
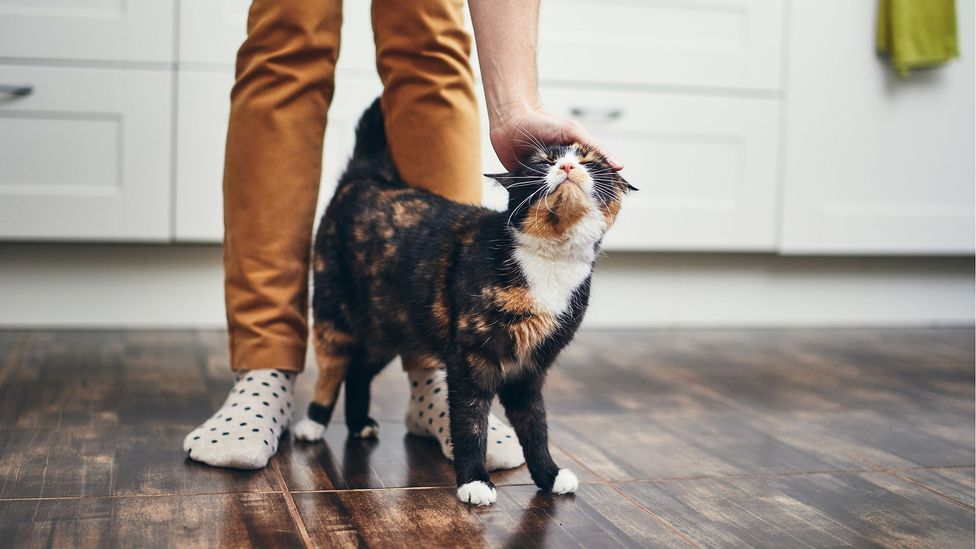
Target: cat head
(559, 187)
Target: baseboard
(96, 286)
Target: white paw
(309, 430)
(369, 431)
(565, 482)
(477, 493)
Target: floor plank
(109, 378)
(598, 516)
(863, 509)
(956, 483)
(396, 460)
(672, 445)
(240, 520)
(95, 461)
(765, 371)
(8, 340)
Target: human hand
(512, 136)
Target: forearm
(507, 37)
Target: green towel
(917, 33)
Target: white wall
(181, 286)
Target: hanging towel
(917, 33)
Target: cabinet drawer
(86, 155)
(705, 166)
(96, 30)
(714, 43)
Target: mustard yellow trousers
(285, 79)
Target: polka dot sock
(244, 432)
(427, 416)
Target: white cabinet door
(96, 30)
(875, 164)
(203, 107)
(713, 43)
(705, 166)
(86, 155)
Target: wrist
(507, 113)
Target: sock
(244, 432)
(427, 416)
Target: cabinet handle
(596, 115)
(18, 90)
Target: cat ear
(504, 179)
(627, 185)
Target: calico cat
(491, 296)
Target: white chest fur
(555, 269)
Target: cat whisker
(509, 223)
(531, 169)
(538, 143)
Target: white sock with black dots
(244, 432)
(427, 416)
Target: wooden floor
(690, 438)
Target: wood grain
(847, 509)
(94, 461)
(239, 520)
(597, 516)
(680, 438)
(396, 460)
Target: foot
(565, 482)
(477, 493)
(427, 416)
(308, 430)
(368, 429)
(244, 432)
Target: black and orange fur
(401, 271)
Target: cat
(492, 296)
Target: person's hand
(513, 135)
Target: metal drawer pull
(605, 115)
(16, 90)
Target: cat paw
(477, 493)
(370, 429)
(309, 430)
(565, 482)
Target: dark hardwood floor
(680, 438)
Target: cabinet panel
(86, 155)
(96, 30)
(705, 166)
(875, 164)
(714, 43)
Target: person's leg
(432, 125)
(285, 80)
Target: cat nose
(566, 167)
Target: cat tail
(371, 136)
